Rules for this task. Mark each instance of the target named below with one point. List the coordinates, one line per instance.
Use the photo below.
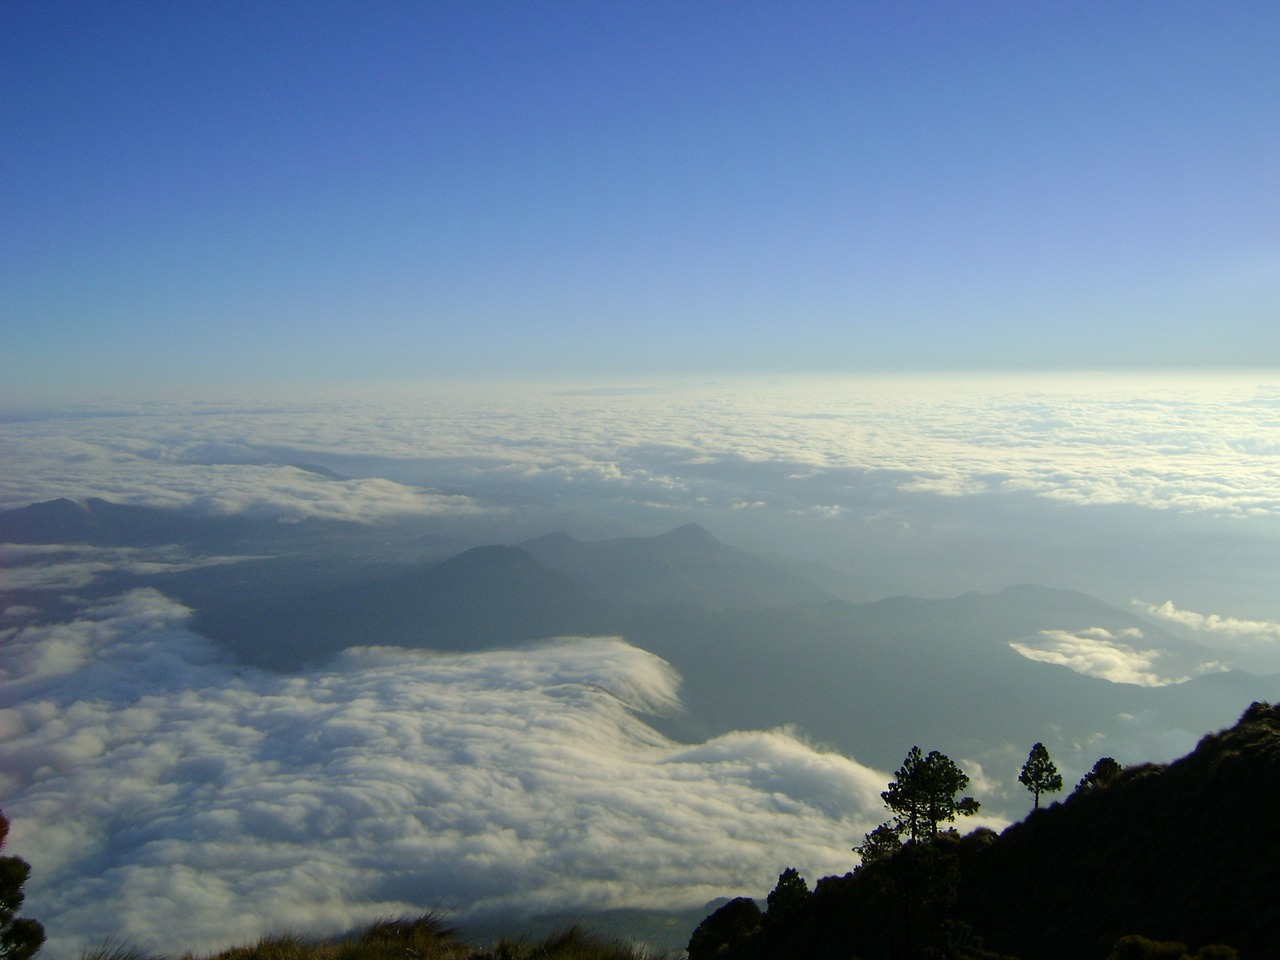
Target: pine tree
(1039, 775)
(924, 795)
(788, 899)
(19, 938)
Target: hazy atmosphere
(549, 459)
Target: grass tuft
(426, 937)
(282, 947)
(116, 950)
(573, 943)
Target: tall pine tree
(1039, 775)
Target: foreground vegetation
(424, 938)
(1134, 865)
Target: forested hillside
(1181, 853)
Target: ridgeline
(1186, 853)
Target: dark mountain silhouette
(319, 471)
(103, 523)
(1184, 852)
(684, 565)
(863, 677)
(484, 597)
(756, 646)
(495, 595)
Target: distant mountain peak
(62, 506)
(555, 539)
(49, 521)
(685, 565)
(319, 471)
(687, 533)
(487, 557)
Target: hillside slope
(1186, 852)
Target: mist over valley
(233, 675)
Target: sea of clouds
(1186, 443)
(175, 800)
(168, 799)
(1159, 488)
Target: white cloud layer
(174, 802)
(1191, 444)
(1212, 628)
(1097, 653)
(78, 459)
(73, 566)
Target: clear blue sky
(258, 194)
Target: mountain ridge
(755, 648)
(686, 564)
(1182, 852)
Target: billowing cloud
(1212, 628)
(1097, 653)
(173, 801)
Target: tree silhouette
(1039, 775)
(788, 899)
(725, 929)
(19, 938)
(924, 795)
(880, 844)
(1103, 773)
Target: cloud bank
(1212, 628)
(73, 566)
(170, 800)
(1097, 653)
(1117, 486)
(157, 789)
(1192, 444)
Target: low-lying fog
(171, 793)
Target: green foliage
(284, 947)
(924, 794)
(20, 938)
(957, 941)
(1184, 852)
(426, 937)
(1104, 773)
(571, 944)
(1039, 775)
(880, 844)
(1217, 951)
(929, 877)
(1140, 948)
(725, 929)
(421, 938)
(788, 900)
(1261, 712)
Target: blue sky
(279, 195)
